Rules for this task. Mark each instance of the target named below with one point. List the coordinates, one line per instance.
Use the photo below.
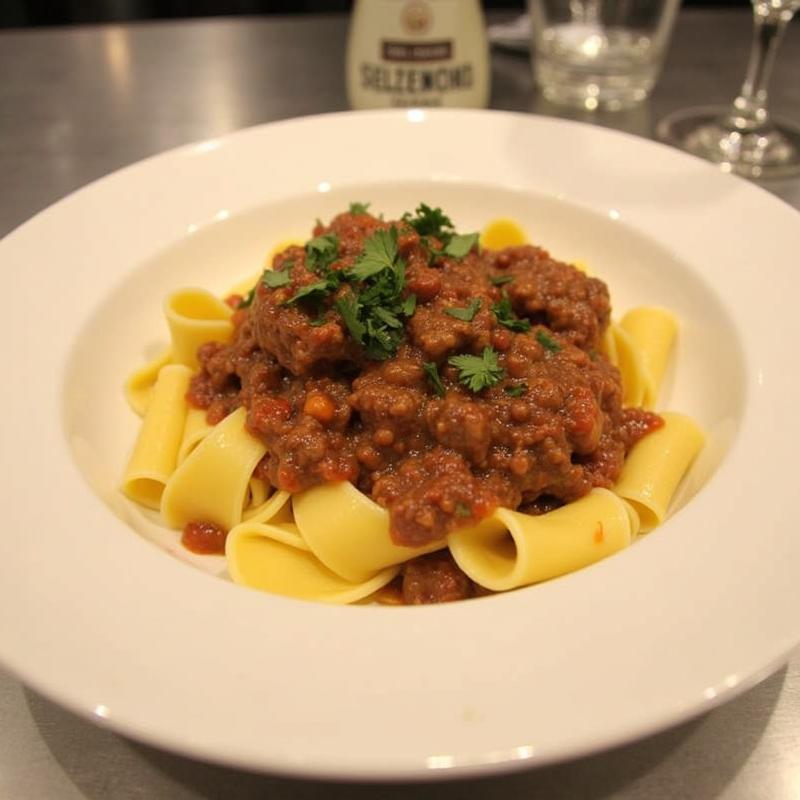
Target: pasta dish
(394, 410)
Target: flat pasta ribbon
(275, 558)
(211, 484)
(509, 549)
(156, 451)
(139, 386)
(656, 465)
(348, 532)
(194, 317)
(653, 331)
(195, 430)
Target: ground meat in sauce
(204, 538)
(327, 412)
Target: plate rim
(397, 770)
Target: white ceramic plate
(98, 618)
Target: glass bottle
(417, 53)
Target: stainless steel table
(76, 104)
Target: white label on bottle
(412, 53)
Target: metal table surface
(78, 103)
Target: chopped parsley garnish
(432, 371)
(504, 314)
(478, 372)
(500, 280)
(547, 341)
(380, 253)
(463, 510)
(374, 308)
(247, 300)
(516, 390)
(348, 306)
(409, 305)
(466, 314)
(359, 208)
(460, 244)
(427, 221)
(272, 279)
(321, 252)
(313, 291)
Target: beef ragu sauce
(343, 386)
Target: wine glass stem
(749, 112)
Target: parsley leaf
(381, 342)
(409, 305)
(500, 280)
(247, 300)
(516, 390)
(478, 372)
(272, 279)
(505, 316)
(547, 341)
(432, 372)
(359, 208)
(313, 291)
(374, 308)
(321, 252)
(387, 317)
(460, 244)
(463, 510)
(380, 253)
(429, 221)
(465, 314)
(348, 306)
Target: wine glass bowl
(744, 138)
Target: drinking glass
(744, 138)
(599, 54)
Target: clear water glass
(599, 54)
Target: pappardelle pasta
(395, 411)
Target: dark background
(22, 13)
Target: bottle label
(411, 53)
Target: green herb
(380, 253)
(500, 280)
(348, 306)
(317, 321)
(428, 221)
(409, 305)
(547, 341)
(478, 372)
(432, 371)
(374, 307)
(466, 314)
(321, 252)
(359, 208)
(389, 318)
(463, 510)
(504, 314)
(247, 300)
(460, 244)
(272, 279)
(313, 291)
(517, 390)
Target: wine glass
(744, 138)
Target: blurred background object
(417, 54)
(21, 13)
(599, 53)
